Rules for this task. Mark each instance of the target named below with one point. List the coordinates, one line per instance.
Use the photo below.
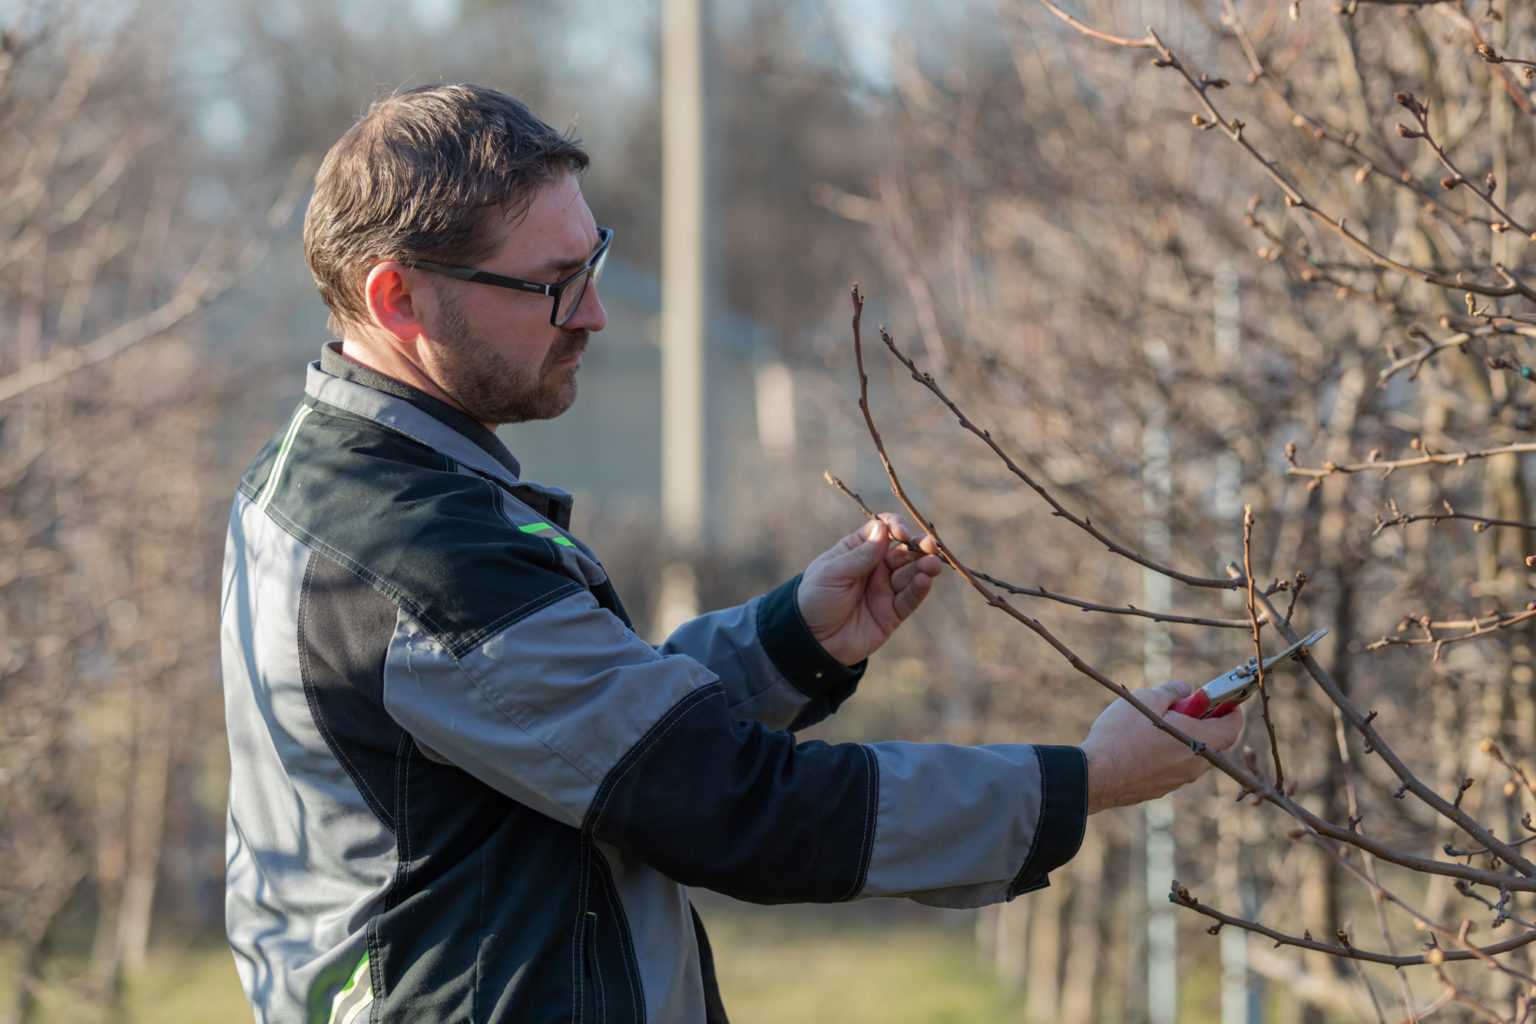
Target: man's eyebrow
(561, 264)
(558, 265)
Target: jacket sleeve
(568, 711)
(773, 670)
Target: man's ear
(391, 303)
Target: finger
(925, 566)
(849, 542)
(909, 597)
(856, 562)
(1220, 733)
(1158, 698)
(1217, 734)
(901, 527)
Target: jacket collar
(349, 385)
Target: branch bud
(1488, 54)
(1450, 181)
(1409, 133)
(1362, 173)
(1490, 182)
(1530, 561)
(1435, 956)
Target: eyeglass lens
(573, 293)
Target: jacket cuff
(1063, 816)
(797, 654)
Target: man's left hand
(855, 594)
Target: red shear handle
(1198, 704)
(1194, 705)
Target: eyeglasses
(566, 294)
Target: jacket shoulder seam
(637, 753)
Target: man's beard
(489, 387)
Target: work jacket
(464, 790)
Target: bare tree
(110, 502)
(1293, 242)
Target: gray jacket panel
(307, 862)
(730, 644)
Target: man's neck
(382, 359)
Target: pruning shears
(1222, 695)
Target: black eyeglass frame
(589, 271)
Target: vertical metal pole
(1156, 496)
(684, 304)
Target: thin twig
(1258, 646)
(1050, 595)
(1396, 517)
(1476, 629)
(1458, 179)
(1057, 509)
(1388, 466)
(1182, 897)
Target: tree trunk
(35, 949)
(1047, 919)
(1085, 952)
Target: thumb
(858, 562)
(1162, 696)
(1178, 687)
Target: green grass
(775, 964)
(186, 986)
(773, 969)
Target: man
(462, 788)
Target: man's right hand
(1131, 760)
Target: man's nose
(590, 315)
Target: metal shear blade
(1234, 685)
(1306, 641)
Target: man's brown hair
(414, 179)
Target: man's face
(494, 350)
